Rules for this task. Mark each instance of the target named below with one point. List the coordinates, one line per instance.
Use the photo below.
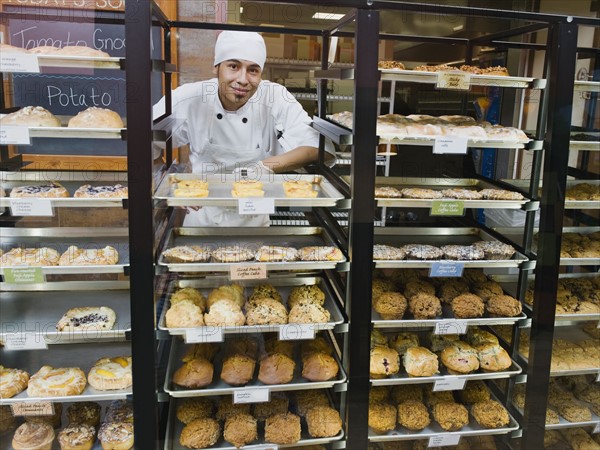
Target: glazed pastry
(50, 190)
(186, 254)
(33, 436)
(111, 373)
(77, 436)
(88, 191)
(87, 318)
(75, 256)
(12, 381)
(116, 435)
(51, 382)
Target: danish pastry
(56, 382)
(247, 188)
(42, 256)
(87, 318)
(270, 253)
(321, 253)
(111, 373)
(233, 254)
(49, 190)
(186, 254)
(12, 381)
(116, 191)
(77, 436)
(299, 189)
(75, 256)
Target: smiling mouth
(241, 92)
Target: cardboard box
(308, 49)
(280, 45)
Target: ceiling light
(327, 16)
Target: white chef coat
(271, 123)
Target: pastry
(487, 289)
(265, 291)
(299, 189)
(119, 411)
(477, 336)
(33, 436)
(432, 398)
(282, 429)
(31, 116)
(310, 293)
(84, 412)
(492, 357)
(460, 358)
(323, 421)
(193, 374)
(278, 404)
(495, 249)
(42, 256)
(378, 338)
(451, 289)
(500, 194)
(240, 429)
(424, 306)
(382, 417)
(111, 373)
(237, 370)
(413, 415)
(420, 362)
(12, 381)
(266, 311)
(276, 368)
(190, 188)
(192, 408)
(321, 253)
(462, 252)
(233, 292)
(402, 341)
(387, 192)
(421, 193)
(75, 256)
(274, 345)
(44, 50)
(504, 306)
(49, 190)
(467, 306)
(305, 400)
(186, 254)
(233, 254)
(380, 286)
(438, 342)
(319, 366)
(272, 253)
(422, 252)
(224, 313)
(81, 50)
(387, 252)
(450, 416)
(87, 318)
(77, 436)
(94, 117)
(184, 314)
(56, 382)
(227, 408)
(247, 188)
(116, 435)
(390, 305)
(200, 433)
(384, 361)
(116, 191)
(490, 414)
(390, 65)
(475, 391)
(462, 194)
(574, 411)
(308, 313)
(416, 287)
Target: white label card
(296, 332)
(443, 440)
(455, 145)
(10, 135)
(596, 429)
(259, 395)
(248, 272)
(451, 327)
(449, 384)
(459, 81)
(31, 207)
(19, 62)
(25, 341)
(267, 447)
(203, 335)
(256, 206)
(33, 409)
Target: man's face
(238, 81)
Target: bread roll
(31, 116)
(96, 118)
(193, 374)
(276, 368)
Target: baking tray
(39, 311)
(438, 236)
(472, 429)
(70, 181)
(563, 423)
(587, 86)
(283, 285)
(218, 387)
(439, 184)
(61, 238)
(569, 204)
(219, 187)
(174, 428)
(78, 355)
(417, 76)
(253, 238)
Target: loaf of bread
(31, 116)
(94, 117)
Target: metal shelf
(587, 86)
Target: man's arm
(294, 159)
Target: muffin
(278, 404)
(305, 400)
(413, 415)
(276, 368)
(390, 305)
(384, 362)
(424, 306)
(237, 370)
(283, 429)
(33, 436)
(200, 433)
(227, 408)
(451, 289)
(192, 408)
(379, 394)
(460, 358)
(487, 289)
(323, 421)
(490, 414)
(382, 417)
(77, 436)
(467, 306)
(240, 429)
(404, 392)
(434, 397)
(450, 416)
(319, 366)
(243, 345)
(193, 374)
(318, 344)
(416, 287)
(274, 345)
(503, 306)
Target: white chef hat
(240, 45)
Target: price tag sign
(446, 269)
(10, 135)
(19, 62)
(443, 440)
(458, 81)
(256, 206)
(31, 207)
(447, 208)
(33, 409)
(597, 428)
(25, 275)
(449, 384)
(296, 332)
(248, 272)
(25, 341)
(453, 145)
(203, 335)
(451, 327)
(259, 395)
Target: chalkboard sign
(65, 92)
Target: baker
(238, 122)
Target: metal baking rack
(174, 428)
(78, 355)
(587, 86)
(250, 238)
(438, 236)
(220, 186)
(70, 181)
(283, 285)
(218, 387)
(38, 311)
(569, 204)
(76, 133)
(61, 238)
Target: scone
(450, 416)
(490, 414)
(319, 366)
(200, 433)
(413, 415)
(116, 435)
(194, 374)
(87, 318)
(420, 362)
(384, 362)
(56, 382)
(266, 311)
(382, 417)
(403, 392)
(33, 436)
(227, 408)
(233, 292)
(283, 429)
(237, 370)
(276, 368)
(184, 314)
(192, 408)
(88, 191)
(186, 254)
(323, 421)
(460, 358)
(94, 117)
(308, 313)
(12, 381)
(77, 436)
(225, 313)
(84, 412)
(402, 341)
(467, 306)
(240, 429)
(48, 190)
(306, 294)
(390, 305)
(503, 306)
(111, 373)
(475, 391)
(75, 256)
(31, 116)
(379, 394)
(493, 358)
